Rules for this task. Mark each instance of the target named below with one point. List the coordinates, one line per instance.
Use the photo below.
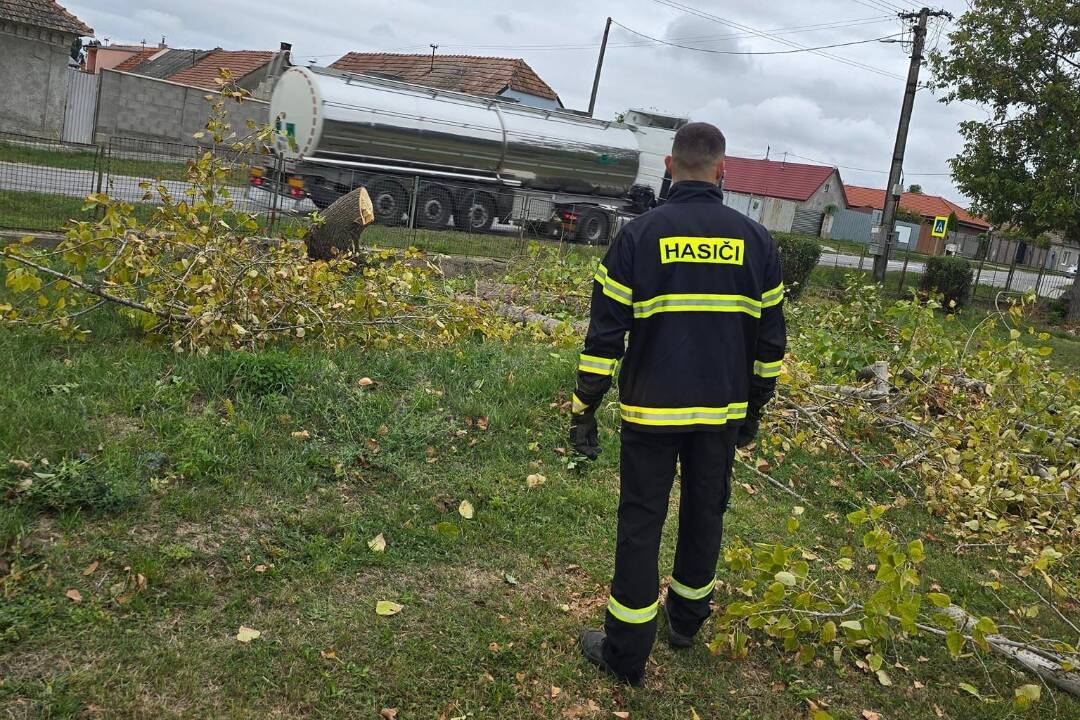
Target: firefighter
(698, 288)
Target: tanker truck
(449, 159)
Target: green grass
(91, 160)
(198, 484)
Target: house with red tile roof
(36, 43)
(783, 196)
(247, 67)
(506, 78)
(965, 236)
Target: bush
(948, 276)
(799, 255)
(69, 485)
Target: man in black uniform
(699, 289)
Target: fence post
(1012, 271)
(903, 274)
(412, 204)
(103, 161)
(978, 274)
(862, 257)
(1038, 282)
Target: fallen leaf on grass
(73, 595)
(365, 382)
(246, 634)
(90, 569)
(20, 465)
(883, 678)
(535, 480)
(749, 488)
(555, 691)
(260, 568)
(510, 579)
(918, 685)
(302, 435)
(694, 715)
(328, 654)
(621, 714)
(465, 510)
(870, 715)
(388, 713)
(387, 608)
(377, 543)
(482, 422)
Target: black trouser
(648, 471)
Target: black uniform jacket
(699, 289)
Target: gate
(81, 107)
(808, 222)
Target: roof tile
(43, 13)
(929, 206)
(462, 73)
(131, 63)
(790, 181)
(204, 73)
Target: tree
(915, 189)
(1021, 166)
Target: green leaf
(986, 626)
(786, 578)
(1026, 695)
(955, 643)
(858, 517)
(875, 662)
(828, 632)
(853, 625)
(883, 678)
(845, 563)
(940, 600)
(969, 689)
(1045, 351)
(916, 551)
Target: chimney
(286, 51)
(161, 45)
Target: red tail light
(569, 216)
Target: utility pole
(599, 67)
(433, 47)
(886, 237)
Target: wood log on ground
(518, 313)
(343, 222)
(1046, 665)
(877, 391)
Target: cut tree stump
(343, 222)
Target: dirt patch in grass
(118, 426)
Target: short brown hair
(698, 146)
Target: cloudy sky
(803, 104)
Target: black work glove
(584, 437)
(748, 431)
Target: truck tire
(433, 207)
(390, 200)
(475, 212)
(340, 230)
(593, 227)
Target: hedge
(949, 276)
(799, 255)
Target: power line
(765, 35)
(859, 169)
(740, 52)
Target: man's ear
(719, 171)
(667, 165)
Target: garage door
(807, 222)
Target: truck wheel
(592, 227)
(390, 200)
(433, 207)
(475, 213)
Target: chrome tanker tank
(368, 122)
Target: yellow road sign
(941, 226)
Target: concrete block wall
(134, 106)
(33, 80)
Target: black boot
(592, 647)
(676, 639)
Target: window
(1066, 257)
(828, 187)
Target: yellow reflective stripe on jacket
(768, 369)
(773, 297)
(683, 416)
(691, 593)
(630, 615)
(597, 365)
(612, 288)
(697, 303)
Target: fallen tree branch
(97, 291)
(772, 481)
(518, 313)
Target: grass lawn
(91, 160)
(183, 505)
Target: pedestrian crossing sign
(941, 226)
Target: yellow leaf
(377, 543)
(246, 634)
(90, 569)
(387, 608)
(302, 435)
(465, 510)
(535, 480)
